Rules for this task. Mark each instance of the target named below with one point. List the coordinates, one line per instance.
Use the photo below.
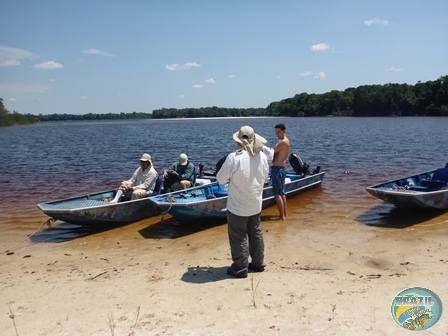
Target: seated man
(179, 176)
(142, 183)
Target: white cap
(183, 159)
(146, 157)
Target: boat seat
(419, 188)
(439, 179)
(195, 175)
(158, 186)
(202, 181)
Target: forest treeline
(93, 116)
(15, 118)
(422, 99)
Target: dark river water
(52, 161)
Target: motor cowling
(298, 165)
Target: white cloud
(231, 76)
(376, 21)
(51, 80)
(210, 81)
(320, 74)
(172, 67)
(185, 66)
(83, 97)
(279, 77)
(180, 96)
(305, 73)
(93, 51)
(197, 86)
(35, 88)
(393, 69)
(12, 62)
(12, 55)
(191, 65)
(48, 65)
(12, 99)
(320, 47)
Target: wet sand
(154, 278)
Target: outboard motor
(316, 171)
(200, 169)
(298, 165)
(220, 163)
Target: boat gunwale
(265, 200)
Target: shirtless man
(278, 169)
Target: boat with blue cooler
(427, 190)
(209, 201)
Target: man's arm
(281, 151)
(134, 177)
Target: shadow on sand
(389, 216)
(172, 228)
(65, 232)
(201, 275)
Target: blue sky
(111, 56)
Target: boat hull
(409, 193)
(202, 207)
(95, 210)
(293, 188)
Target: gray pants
(245, 238)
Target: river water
(51, 161)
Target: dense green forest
(93, 116)
(422, 99)
(15, 118)
(208, 112)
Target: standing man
(278, 169)
(246, 171)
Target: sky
(110, 56)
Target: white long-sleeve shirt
(144, 179)
(246, 176)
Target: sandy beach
(134, 280)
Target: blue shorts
(278, 175)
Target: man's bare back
(281, 149)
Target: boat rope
(47, 222)
(171, 199)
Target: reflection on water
(59, 160)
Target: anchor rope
(172, 200)
(47, 222)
